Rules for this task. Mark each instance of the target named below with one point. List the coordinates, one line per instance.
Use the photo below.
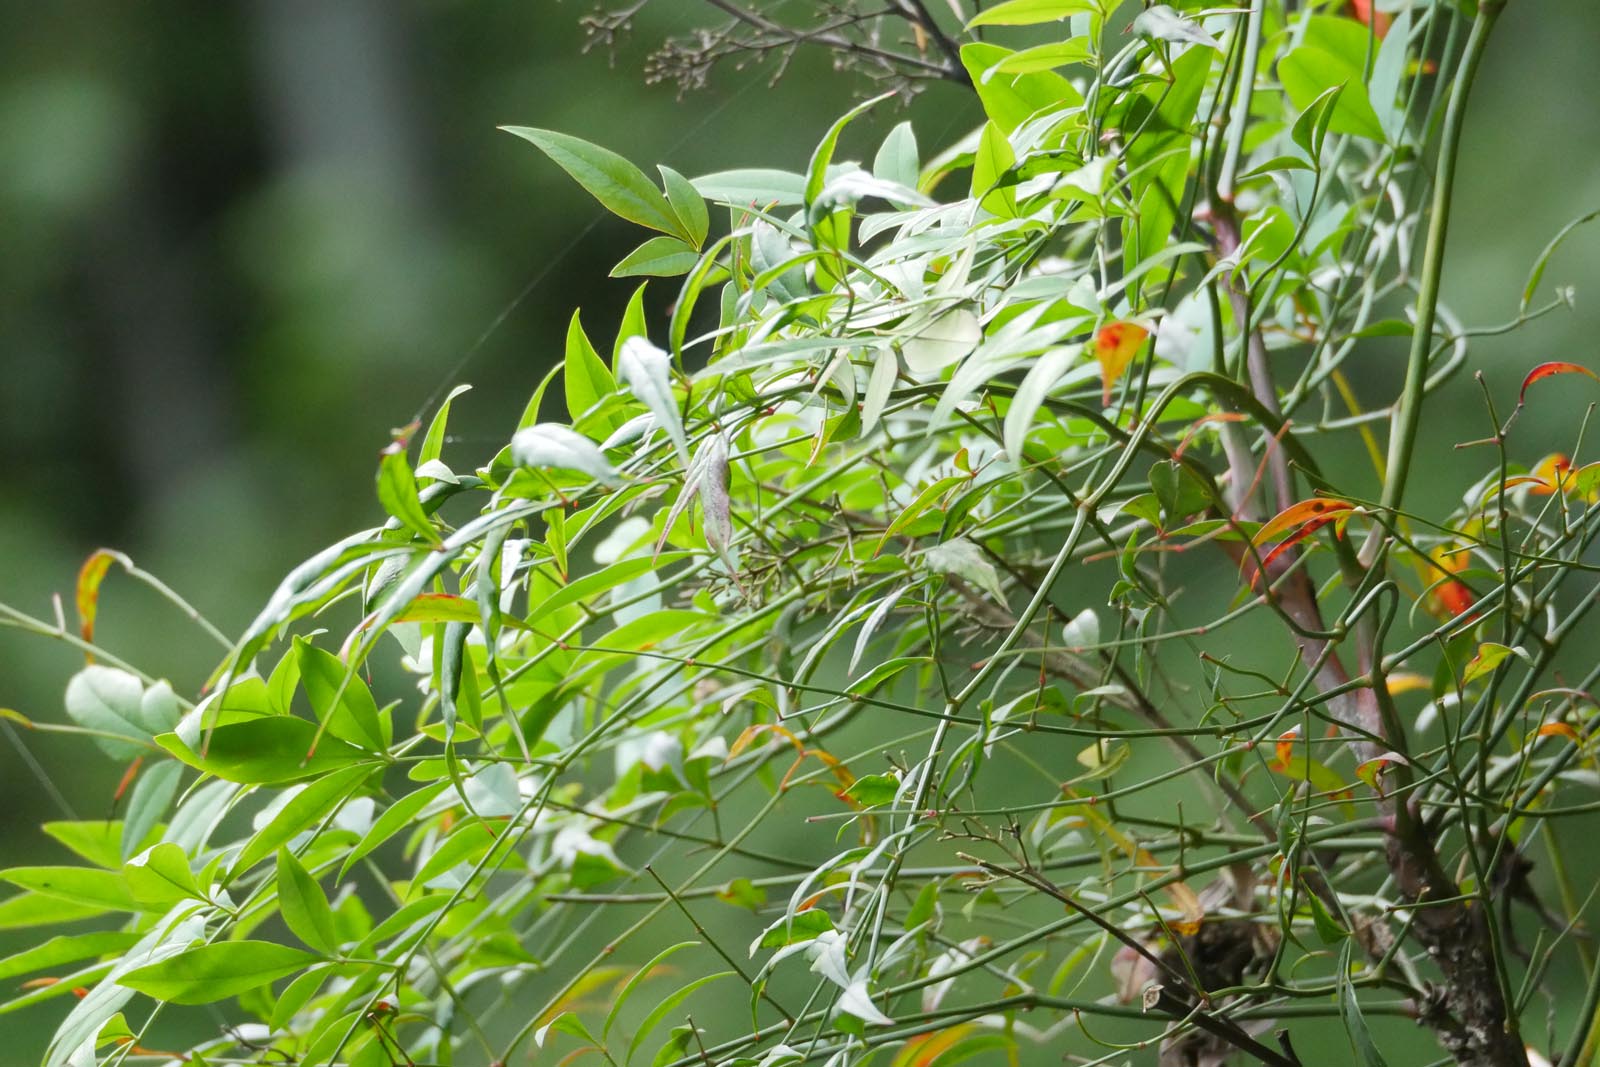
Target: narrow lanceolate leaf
(817, 172)
(621, 187)
(714, 494)
(271, 749)
(397, 492)
(647, 370)
(75, 885)
(687, 204)
(1041, 378)
(1032, 12)
(1164, 24)
(885, 369)
(659, 257)
(207, 973)
(551, 446)
(304, 906)
(1318, 507)
(1550, 370)
(584, 375)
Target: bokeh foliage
(761, 565)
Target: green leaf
(793, 929)
(1489, 656)
(659, 257)
(76, 885)
(1164, 24)
(1179, 491)
(304, 906)
(95, 841)
(298, 813)
(397, 492)
(265, 751)
(896, 160)
(1328, 929)
(990, 163)
(116, 704)
(962, 559)
(433, 441)
(620, 187)
(687, 204)
(395, 818)
(585, 376)
(872, 790)
(207, 973)
(1032, 12)
(152, 795)
(668, 1004)
(339, 697)
(65, 949)
(160, 876)
(885, 369)
(1030, 396)
(551, 446)
(1355, 1024)
(743, 893)
(817, 171)
(1045, 57)
(36, 909)
(1307, 72)
(1011, 99)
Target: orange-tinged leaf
(1452, 598)
(1373, 768)
(1285, 747)
(1380, 21)
(924, 1050)
(1551, 475)
(1549, 370)
(1114, 348)
(1560, 729)
(90, 575)
(1318, 507)
(750, 733)
(1188, 904)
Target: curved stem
(1403, 442)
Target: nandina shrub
(950, 634)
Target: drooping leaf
(1550, 370)
(647, 370)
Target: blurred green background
(241, 241)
